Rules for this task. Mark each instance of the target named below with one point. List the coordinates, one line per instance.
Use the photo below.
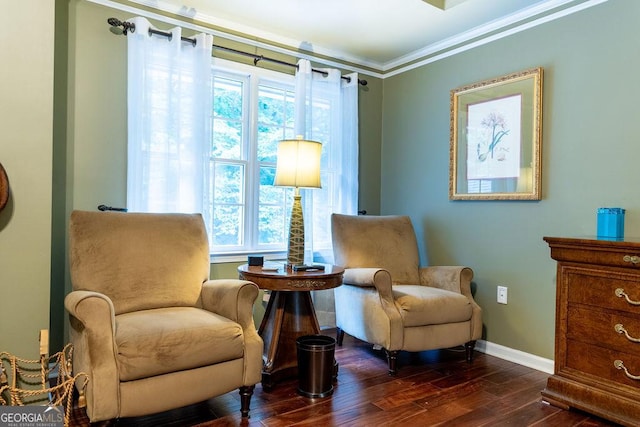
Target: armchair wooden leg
(245, 400)
(392, 360)
(339, 336)
(469, 350)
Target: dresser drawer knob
(619, 365)
(633, 259)
(621, 293)
(621, 330)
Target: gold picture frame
(496, 138)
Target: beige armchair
(388, 300)
(149, 328)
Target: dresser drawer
(600, 362)
(614, 258)
(601, 288)
(604, 328)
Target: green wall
(26, 142)
(590, 154)
(57, 318)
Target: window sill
(222, 258)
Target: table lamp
(298, 166)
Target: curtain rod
(130, 26)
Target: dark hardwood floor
(435, 388)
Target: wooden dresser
(597, 348)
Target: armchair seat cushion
(158, 341)
(424, 305)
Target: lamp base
(295, 252)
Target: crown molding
(478, 37)
(113, 4)
(239, 28)
(522, 20)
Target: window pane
(271, 225)
(268, 139)
(273, 216)
(228, 119)
(271, 106)
(228, 204)
(275, 120)
(227, 225)
(227, 139)
(228, 98)
(229, 183)
(268, 193)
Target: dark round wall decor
(4, 187)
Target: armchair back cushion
(146, 261)
(387, 242)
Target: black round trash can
(315, 365)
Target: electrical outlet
(502, 294)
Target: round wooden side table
(289, 314)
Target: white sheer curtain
(327, 111)
(169, 121)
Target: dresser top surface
(627, 242)
(616, 253)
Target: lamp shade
(298, 163)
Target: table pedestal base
(289, 315)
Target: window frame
(253, 77)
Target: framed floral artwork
(495, 139)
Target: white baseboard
(515, 356)
(327, 321)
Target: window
(202, 137)
(253, 110)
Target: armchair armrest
(456, 279)
(79, 303)
(231, 298)
(370, 277)
(380, 279)
(451, 278)
(92, 320)
(234, 300)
